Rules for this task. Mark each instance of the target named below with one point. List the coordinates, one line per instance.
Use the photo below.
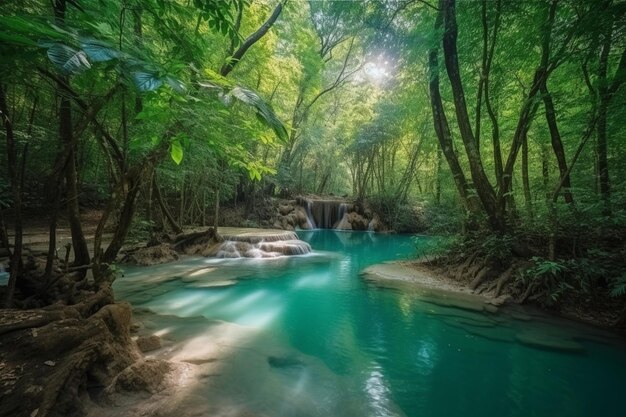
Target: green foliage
(176, 151)
(543, 267)
(546, 278)
(618, 286)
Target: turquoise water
(392, 353)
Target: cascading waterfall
(324, 214)
(309, 214)
(267, 247)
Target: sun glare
(377, 71)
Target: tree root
(50, 356)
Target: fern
(618, 286)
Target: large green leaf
(99, 51)
(265, 112)
(67, 59)
(176, 152)
(146, 81)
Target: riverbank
(417, 277)
(436, 282)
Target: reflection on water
(363, 350)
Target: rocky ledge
(229, 243)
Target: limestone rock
(149, 343)
(145, 376)
(152, 255)
(285, 209)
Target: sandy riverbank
(439, 289)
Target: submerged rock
(284, 362)
(548, 342)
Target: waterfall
(309, 214)
(324, 214)
(262, 247)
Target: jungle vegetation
(495, 118)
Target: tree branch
(251, 40)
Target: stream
(326, 343)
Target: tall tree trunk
(603, 106)
(545, 170)
(557, 143)
(483, 187)
(525, 180)
(81, 251)
(12, 168)
(438, 178)
(487, 61)
(217, 208)
(4, 235)
(181, 208)
(442, 128)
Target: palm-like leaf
(67, 59)
(146, 81)
(264, 110)
(98, 51)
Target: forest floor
(36, 230)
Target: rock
(145, 375)
(284, 224)
(357, 221)
(213, 284)
(285, 209)
(301, 217)
(546, 341)
(116, 316)
(152, 255)
(135, 327)
(284, 362)
(375, 224)
(149, 343)
(49, 363)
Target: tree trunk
(81, 251)
(483, 187)
(442, 128)
(557, 143)
(545, 170)
(168, 216)
(603, 106)
(181, 208)
(217, 208)
(12, 168)
(525, 180)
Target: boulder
(152, 255)
(301, 218)
(147, 375)
(285, 209)
(376, 225)
(357, 221)
(149, 343)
